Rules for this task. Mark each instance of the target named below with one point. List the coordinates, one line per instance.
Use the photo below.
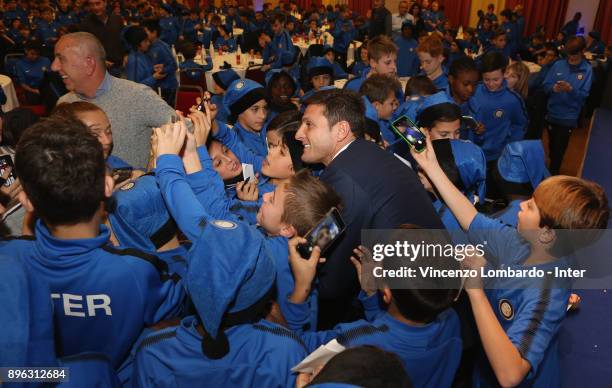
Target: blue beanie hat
(319, 65)
(139, 217)
(224, 78)
(230, 271)
(523, 162)
(242, 94)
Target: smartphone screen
(323, 234)
(410, 133)
(469, 122)
(7, 162)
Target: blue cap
(241, 95)
(288, 58)
(273, 74)
(319, 65)
(523, 162)
(26, 338)
(139, 217)
(435, 99)
(224, 78)
(230, 270)
(472, 165)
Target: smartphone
(200, 106)
(122, 174)
(7, 162)
(247, 173)
(407, 130)
(470, 122)
(323, 234)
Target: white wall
(588, 9)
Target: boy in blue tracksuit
(594, 43)
(224, 41)
(223, 79)
(95, 288)
(138, 218)
(31, 71)
(189, 67)
(379, 92)
(169, 25)
(567, 84)
(408, 61)
(463, 163)
(463, 78)
(499, 109)
(191, 188)
(281, 42)
(139, 67)
(228, 342)
(344, 34)
(245, 100)
(47, 28)
(330, 54)
(320, 74)
(512, 34)
(421, 329)
(161, 55)
(519, 318)
(431, 56)
(520, 169)
(28, 335)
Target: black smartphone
(7, 162)
(323, 234)
(470, 122)
(407, 130)
(122, 174)
(203, 101)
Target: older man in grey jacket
(133, 109)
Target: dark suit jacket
(378, 191)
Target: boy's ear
(287, 231)
(109, 185)
(386, 295)
(25, 201)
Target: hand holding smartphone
(408, 131)
(323, 234)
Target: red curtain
(360, 6)
(457, 11)
(602, 21)
(548, 13)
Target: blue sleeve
(371, 305)
(133, 73)
(339, 72)
(229, 138)
(518, 121)
(499, 240)
(550, 80)
(536, 323)
(180, 198)
(209, 64)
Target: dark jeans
(559, 136)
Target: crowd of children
(189, 271)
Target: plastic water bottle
(238, 55)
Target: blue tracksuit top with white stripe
(564, 108)
(260, 355)
(504, 117)
(103, 297)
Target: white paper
(319, 357)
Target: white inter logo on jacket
(73, 304)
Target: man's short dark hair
(365, 366)
(279, 17)
(61, 166)
(462, 65)
(492, 61)
(378, 87)
(341, 105)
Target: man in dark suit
(378, 191)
